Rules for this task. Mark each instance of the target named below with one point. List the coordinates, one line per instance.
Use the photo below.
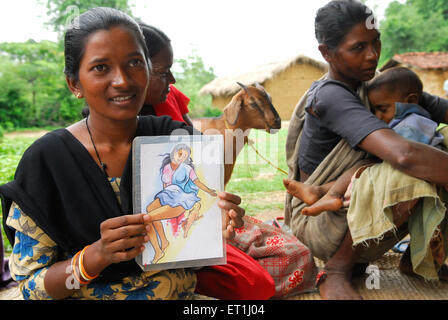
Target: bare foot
(405, 266)
(337, 286)
(157, 256)
(306, 193)
(326, 203)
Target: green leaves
(33, 91)
(11, 150)
(417, 25)
(63, 12)
(191, 77)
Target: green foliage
(62, 12)
(191, 77)
(33, 91)
(428, 7)
(212, 112)
(11, 150)
(417, 25)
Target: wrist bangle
(75, 273)
(82, 270)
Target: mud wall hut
(286, 82)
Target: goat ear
(259, 86)
(243, 86)
(232, 110)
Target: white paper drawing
(178, 183)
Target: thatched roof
(227, 85)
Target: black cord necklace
(103, 165)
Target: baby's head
(393, 85)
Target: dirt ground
(269, 215)
(268, 198)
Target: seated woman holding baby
(397, 183)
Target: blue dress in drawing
(180, 189)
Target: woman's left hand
(233, 213)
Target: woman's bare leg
(337, 285)
(161, 232)
(192, 217)
(153, 205)
(158, 252)
(165, 212)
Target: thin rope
(251, 144)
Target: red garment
(175, 106)
(242, 278)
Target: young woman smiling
(70, 204)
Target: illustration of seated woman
(179, 194)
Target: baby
(393, 96)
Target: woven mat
(393, 285)
(11, 294)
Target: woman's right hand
(122, 239)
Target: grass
(253, 179)
(11, 151)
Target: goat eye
(253, 105)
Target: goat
(250, 108)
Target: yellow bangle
(75, 274)
(83, 272)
